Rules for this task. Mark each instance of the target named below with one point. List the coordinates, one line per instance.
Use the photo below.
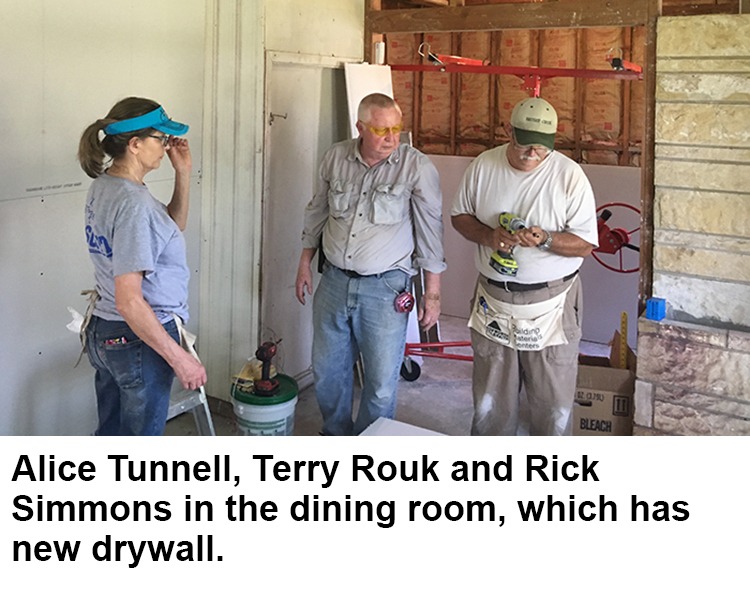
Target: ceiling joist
(537, 15)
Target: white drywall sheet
(64, 66)
(363, 79)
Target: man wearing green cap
(531, 212)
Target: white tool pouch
(520, 326)
(84, 320)
(187, 339)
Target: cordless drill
(265, 386)
(504, 262)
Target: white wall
(64, 65)
(333, 28)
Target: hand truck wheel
(410, 370)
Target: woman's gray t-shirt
(130, 231)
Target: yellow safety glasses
(384, 131)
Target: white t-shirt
(555, 196)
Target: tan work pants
(548, 375)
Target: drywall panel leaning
(363, 79)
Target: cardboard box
(604, 394)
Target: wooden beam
(687, 10)
(436, 2)
(490, 17)
(578, 88)
(371, 36)
(455, 91)
(418, 106)
(646, 280)
(429, 2)
(625, 109)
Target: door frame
(274, 60)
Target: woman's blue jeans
(133, 383)
(355, 316)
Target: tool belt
(526, 327)
(514, 286)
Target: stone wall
(694, 368)
(702, 169)
(692, 380)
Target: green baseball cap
(534, 121)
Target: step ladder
(195, 401)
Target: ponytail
(91, 154)
(93, 151)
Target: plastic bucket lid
(287, 391)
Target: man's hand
(304, 274)
(530, 237)
(428, 311)
(304, 282)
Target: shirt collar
(393, 158)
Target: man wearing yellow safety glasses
(377, 215)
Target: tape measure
(623, 340)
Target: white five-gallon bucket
(267, 415)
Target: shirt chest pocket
(390, 204)
(339, 197)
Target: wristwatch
(547, 243)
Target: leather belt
(514, 286)
(347, 272)
(352, 274)
(355, 275)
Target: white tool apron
(519, 326)
(187, 339)
(93, 296)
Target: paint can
(266, 415)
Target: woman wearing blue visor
(138, 250)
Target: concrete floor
(439, 400)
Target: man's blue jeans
(133, 383)
(355, 316)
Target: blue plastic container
(656, 309)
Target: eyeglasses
(164, 139)
(540, 151)
(384, 131)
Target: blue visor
(156, 119)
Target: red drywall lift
(532, 76)
(532, 81)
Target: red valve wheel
(618, 243)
